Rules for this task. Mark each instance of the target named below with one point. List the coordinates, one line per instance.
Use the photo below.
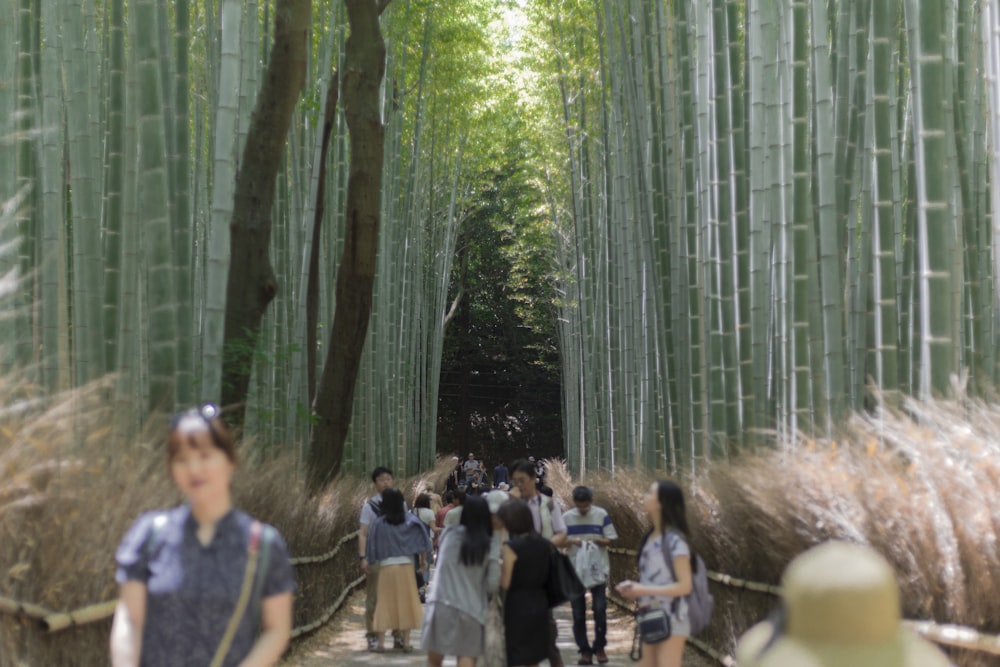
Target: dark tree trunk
(252, 285)
(312, 289)
(364, 68)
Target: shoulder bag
(562, 585)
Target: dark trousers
(599, 599)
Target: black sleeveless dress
(526, 611)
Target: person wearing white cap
(496, 498)
(840, 608)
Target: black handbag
(563, 585)
(652, 626)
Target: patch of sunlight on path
(341, 642)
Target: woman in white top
(468, 573)
(660, 585)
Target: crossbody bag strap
(263, 562)
(253, 553)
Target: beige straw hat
(841, 608)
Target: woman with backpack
(664, 577)
(468, 573)
(202, 583)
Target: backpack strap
(546, 516)
(263, 560)
(670, 540)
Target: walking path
(341, 642)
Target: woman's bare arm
(276, 622)
(126, 628)
(632, 590)
(507, 558)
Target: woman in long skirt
(393, 540)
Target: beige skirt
(397, 606)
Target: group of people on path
(470, 476)
(488, 544)
(205, 584)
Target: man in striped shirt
(589, 528)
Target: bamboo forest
(700, 222)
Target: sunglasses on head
(208, 412)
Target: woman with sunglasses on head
(202, 583)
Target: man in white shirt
(586, 525)
(548, 519)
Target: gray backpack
(700, 600)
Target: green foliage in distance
(500, 367)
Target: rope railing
(724, 579)
(303, 560)
(54, 621)
(330, 611)
(955, 636)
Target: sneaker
(585, 659)
(398, 644)
(602, 657)
(372, 644)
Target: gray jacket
(464, 587)
(388, 541)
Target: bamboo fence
(947, 635)
(53, 621)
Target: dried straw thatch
(68, 494)
(918, 484)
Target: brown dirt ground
(341, 642)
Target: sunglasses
(207, 413)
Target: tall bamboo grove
(769, 213)
(123, 123)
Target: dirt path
(341, 642)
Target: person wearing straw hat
(840, 608)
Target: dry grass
(919, 486)
(67, 497)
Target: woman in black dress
(525, 568)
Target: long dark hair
(673, 513)
(478, 530)
(393, 506)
